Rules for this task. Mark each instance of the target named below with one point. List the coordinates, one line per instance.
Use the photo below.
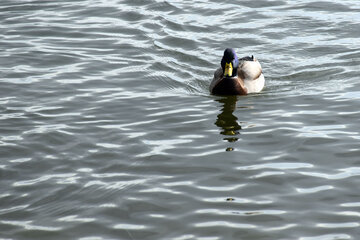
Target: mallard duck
(237, 76)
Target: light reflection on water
(108, 130)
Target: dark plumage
(229, 86)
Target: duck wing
(249, 68)
(247, 58)
(218, 75)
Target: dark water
(108, 130)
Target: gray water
(108, 130)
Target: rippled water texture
(108, 130)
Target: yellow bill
(228, 70)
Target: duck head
(229, 63)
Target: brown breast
(229, 86)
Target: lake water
(108, 130)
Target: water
(108, 130)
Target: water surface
(108, 130)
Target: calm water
(108, 131)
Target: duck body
(237, 76)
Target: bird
(237, 76)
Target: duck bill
(228, 70)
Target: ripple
(345, 173)
(281, 166)
(224, 224)
(243, 213)
(129, 226)
(160, 146)
(65, 178)
(75, 218)
(108, 130)
(12, 209)
(314, 189)
(338, 225)
(327, 237)
(354, 204)
(28, 226)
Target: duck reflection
(227, 121)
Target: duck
(237, 76)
